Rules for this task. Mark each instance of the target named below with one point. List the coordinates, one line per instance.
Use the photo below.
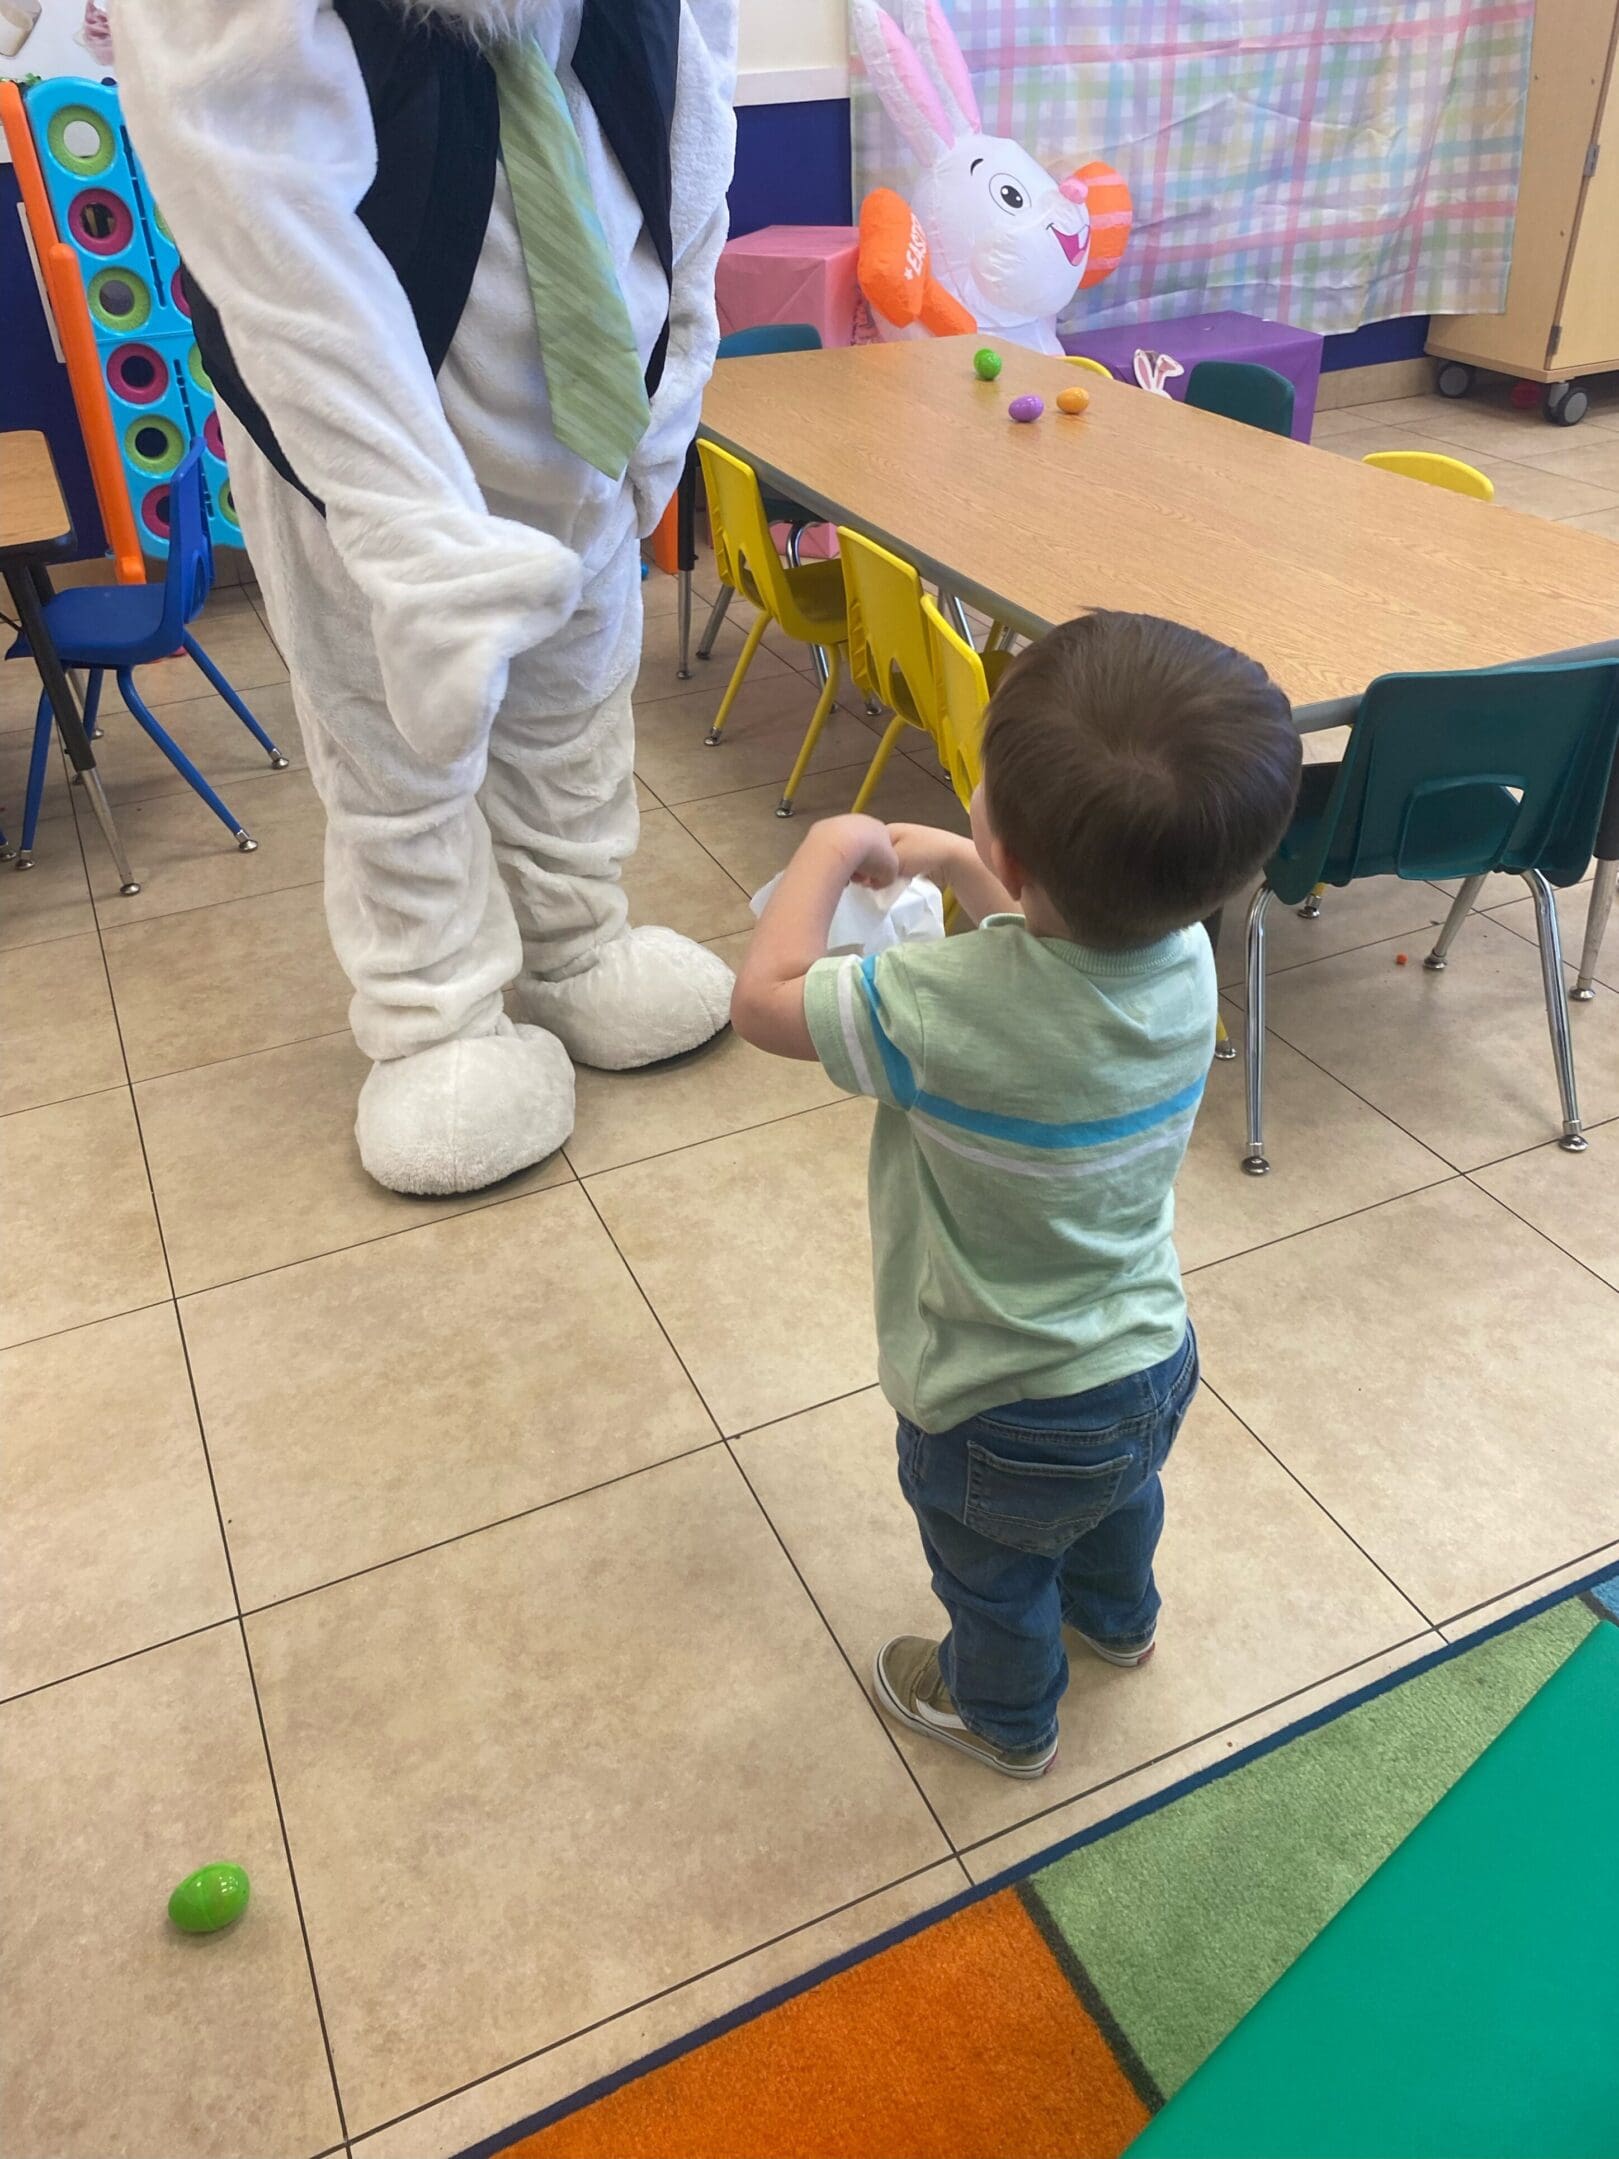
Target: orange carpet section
(964, 2040)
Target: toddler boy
(1037, 1082)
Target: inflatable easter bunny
(989, 240)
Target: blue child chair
(122, 627)
(1453, 776)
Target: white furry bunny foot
(648, 995)
(464, 1114)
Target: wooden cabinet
(1562, 309)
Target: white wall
(792, 50)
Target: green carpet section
(1462, 2005)
(1185, 1918)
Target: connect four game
(150, 371)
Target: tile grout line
(1353, 1214)
(677, 1986)
(1271, 1028)
(127, 1656)
(1539, 1146)
(1545, 1235)
(1317, 1501)
(1486, 1603)
(230, 1564)
(477, 1529)
(885, 1726)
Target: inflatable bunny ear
(903, 84)
(933, 38)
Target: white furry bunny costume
(463, 625)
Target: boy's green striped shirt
(1035, 1101)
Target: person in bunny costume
(989, 240)
(453, 577)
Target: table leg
(951, 604)
(30, 588)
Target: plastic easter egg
(214, 1897)
(1074, 400)
(1026, 408)
(986, 363)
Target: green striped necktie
(593, 372)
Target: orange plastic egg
(1073, 400)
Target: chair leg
(1603, 885)
(1311, 910)
(1460, 908)
(795, 546)
(683, 671)
(711, 628)
(879, 763)
(225, 690)
(1253, 1160)
(181, 763)
(39, 757)
(738, 675)
(92, 702)
(1573, 1140)
(812, 734)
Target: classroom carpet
(1055, 2014)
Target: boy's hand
(767, 1005)
(866, 846)
(923, 851)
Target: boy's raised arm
(767, 1005)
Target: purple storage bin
(1227, 336)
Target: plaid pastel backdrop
(1319, 162)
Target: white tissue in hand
(867, 921)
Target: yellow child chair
(806, 601)
(888, 650)
(1436, 471)
(960, 700)
(1091, 367)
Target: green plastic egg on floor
(986, 363)
(212, 1898)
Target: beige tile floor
(497, 1577)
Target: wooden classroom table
(35, 529)
(1326, 570)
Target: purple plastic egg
(1026, 408)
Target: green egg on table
(986, 363)
(214, 1897)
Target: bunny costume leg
(560, 802)
(419, 918)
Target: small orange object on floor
(1402, 959)
(1006, 2060)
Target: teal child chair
(1242, 390)
(766, 337)
(1446, 776)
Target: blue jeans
(1036, 1514)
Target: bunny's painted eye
(1007, 193)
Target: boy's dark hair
(1139, 772)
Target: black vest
(437, 121)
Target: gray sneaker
(1129, 1658)
(911, 1687)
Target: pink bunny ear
(901, 81)
(930, 32)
